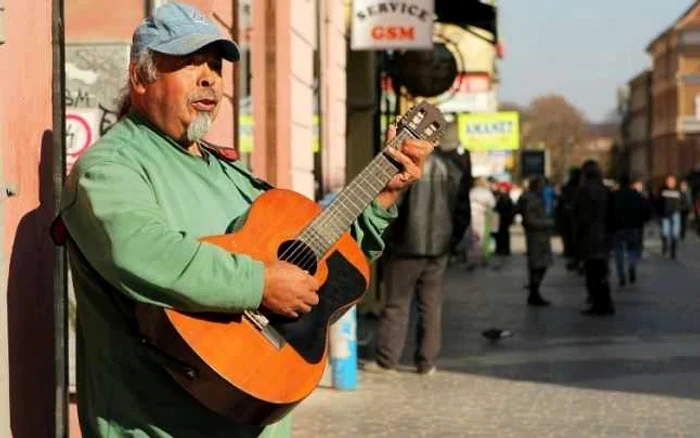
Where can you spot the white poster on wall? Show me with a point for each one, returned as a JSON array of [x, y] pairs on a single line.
[[379, 25]]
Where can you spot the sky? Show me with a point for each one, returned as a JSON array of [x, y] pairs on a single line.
[[582, 49]]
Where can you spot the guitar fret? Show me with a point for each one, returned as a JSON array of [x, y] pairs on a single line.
[[380, 182], [336, 228], [321, 238], [359, 185], [349, 198]]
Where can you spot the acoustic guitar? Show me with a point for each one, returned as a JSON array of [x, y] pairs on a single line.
[[254, 367]]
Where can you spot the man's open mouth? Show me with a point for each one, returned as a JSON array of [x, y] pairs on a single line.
[[204, 104]]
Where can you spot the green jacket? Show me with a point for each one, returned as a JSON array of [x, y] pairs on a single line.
[[135, 205]]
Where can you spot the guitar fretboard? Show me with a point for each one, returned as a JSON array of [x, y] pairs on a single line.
[[338, 217]]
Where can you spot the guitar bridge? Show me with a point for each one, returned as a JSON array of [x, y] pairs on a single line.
[[263, 325]]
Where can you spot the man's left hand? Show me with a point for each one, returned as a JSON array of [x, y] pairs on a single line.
[[411, 156]]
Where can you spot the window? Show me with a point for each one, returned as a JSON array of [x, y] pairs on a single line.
[[691, 37]]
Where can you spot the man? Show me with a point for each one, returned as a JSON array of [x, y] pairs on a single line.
[[591, 210], [506, 212], [565, 219], [433, 216], [670, 206], [687, 205], [483, 203], [630, 211], [134, 207], [538, 235]]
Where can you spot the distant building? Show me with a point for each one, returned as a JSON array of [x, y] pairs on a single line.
[[637, 123], [675, 97]]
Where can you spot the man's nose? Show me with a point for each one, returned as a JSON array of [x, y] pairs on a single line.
[[207, 76]]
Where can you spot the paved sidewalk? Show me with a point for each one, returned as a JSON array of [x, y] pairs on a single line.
[[636, 374]]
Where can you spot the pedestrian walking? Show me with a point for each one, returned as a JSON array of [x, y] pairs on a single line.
[[538, 233], [686, 207], [483, 203], [565, 218], [630, 211], [670, 206], [591, 211], [506, 212]]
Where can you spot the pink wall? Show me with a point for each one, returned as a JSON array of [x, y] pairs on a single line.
[[94, 21], [25, 148], [302, 41], [334, 93], [222, 130], [282, 92]]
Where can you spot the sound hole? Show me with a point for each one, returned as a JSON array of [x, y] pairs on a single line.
[[298, 253]]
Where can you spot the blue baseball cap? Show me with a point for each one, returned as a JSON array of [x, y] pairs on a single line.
[[179, 29]]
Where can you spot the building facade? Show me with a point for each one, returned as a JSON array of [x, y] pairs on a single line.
[[637, 126], [675, 97]]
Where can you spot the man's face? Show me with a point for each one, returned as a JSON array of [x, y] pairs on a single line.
[[185, 98], [671, 182]]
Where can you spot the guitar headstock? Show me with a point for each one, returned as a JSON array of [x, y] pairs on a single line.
[[425, 121]]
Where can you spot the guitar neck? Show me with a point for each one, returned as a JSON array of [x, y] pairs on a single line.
[[339, 216]]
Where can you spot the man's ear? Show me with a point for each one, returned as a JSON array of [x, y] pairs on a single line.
[[138, 85]]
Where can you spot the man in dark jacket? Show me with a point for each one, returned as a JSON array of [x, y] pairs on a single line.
[[565, 219], [591, 212], [670, 205], [630, 211], [506, 212], [434, 214]]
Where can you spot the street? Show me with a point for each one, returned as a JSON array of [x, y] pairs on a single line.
[[562, 374]]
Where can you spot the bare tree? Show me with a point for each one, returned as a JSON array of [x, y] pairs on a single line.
[[552, 122]]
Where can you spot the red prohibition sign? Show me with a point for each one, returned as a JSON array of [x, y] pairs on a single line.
[[88, 134]]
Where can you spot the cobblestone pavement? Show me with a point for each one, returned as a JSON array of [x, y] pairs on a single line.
[[636, 374]]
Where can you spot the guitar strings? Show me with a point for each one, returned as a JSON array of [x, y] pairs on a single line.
[[307, 259], [300, 246]]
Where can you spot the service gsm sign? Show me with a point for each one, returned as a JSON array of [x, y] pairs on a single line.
[[379, 25], [489, 131]]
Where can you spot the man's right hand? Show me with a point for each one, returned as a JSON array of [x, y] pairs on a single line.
[[289, 290]]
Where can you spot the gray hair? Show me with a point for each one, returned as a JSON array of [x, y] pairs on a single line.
[[145, 66]]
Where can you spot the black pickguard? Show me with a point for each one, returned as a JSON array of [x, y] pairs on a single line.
[[307, 334]]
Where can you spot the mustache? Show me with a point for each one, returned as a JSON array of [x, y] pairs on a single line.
[[207, 94]]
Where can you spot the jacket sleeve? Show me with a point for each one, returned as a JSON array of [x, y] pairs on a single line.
[[370, 226], [581, 212], [112, 216], [535, 218]]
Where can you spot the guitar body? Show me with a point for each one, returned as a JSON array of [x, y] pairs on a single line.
[[230, 364]]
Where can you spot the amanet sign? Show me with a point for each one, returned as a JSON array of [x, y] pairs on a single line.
[[489, 131]]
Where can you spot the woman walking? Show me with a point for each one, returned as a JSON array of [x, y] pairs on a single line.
[[538, 228]]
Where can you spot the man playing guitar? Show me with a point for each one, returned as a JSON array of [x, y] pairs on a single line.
[[134, 206]]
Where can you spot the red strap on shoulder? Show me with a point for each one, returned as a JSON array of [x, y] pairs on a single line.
[[226, 154], [58, 231]]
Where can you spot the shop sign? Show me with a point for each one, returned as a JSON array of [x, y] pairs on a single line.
[[379, 25]]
